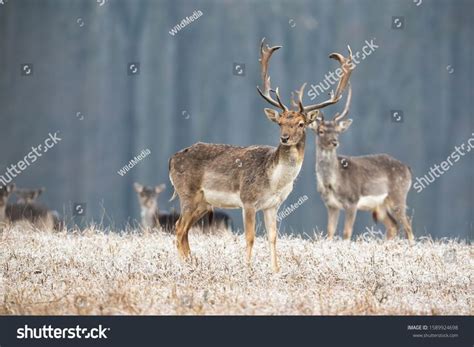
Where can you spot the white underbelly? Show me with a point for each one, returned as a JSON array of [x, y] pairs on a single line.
[[369, 202], [275, 199], [223, 199]]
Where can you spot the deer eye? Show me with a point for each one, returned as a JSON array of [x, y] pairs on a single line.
[[321, 132], [301, 124]]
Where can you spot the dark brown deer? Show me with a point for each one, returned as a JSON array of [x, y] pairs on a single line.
[[251, 178], [152, 217], [376, 183]]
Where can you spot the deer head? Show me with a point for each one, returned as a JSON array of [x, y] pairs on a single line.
[[28, 196], [147, 196], [328, 131], [293, 122]]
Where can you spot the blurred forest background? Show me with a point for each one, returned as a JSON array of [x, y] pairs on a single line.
[[187, 90]]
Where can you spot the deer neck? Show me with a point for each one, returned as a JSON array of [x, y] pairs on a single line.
[[291, 155], [327, 166], [149, 214]]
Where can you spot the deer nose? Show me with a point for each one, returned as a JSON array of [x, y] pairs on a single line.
[[284, 138], [334, 143]]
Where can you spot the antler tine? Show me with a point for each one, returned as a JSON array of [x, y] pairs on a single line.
[[265, 55], [346, 67], [338, 117], [343, 81], [299, 93], [280, 104]]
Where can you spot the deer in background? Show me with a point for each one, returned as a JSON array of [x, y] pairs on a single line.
[[36, 214], [255, 178], [27, 196], [377, 183], [5, 192], [153, 218]]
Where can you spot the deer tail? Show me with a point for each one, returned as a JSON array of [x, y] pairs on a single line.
[[174, 195]]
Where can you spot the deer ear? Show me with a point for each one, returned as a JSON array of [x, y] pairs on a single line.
[[312, 116], [160, 188], [272, 114], [138, 187], [343, 125], [315, 118]]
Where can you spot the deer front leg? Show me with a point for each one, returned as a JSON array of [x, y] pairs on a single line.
[[270, 216], [333, 217], [350, 215], [249, 226]]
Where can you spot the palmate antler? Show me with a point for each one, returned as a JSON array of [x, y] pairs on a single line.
[[346, 64], [265, 55], [340, 116]]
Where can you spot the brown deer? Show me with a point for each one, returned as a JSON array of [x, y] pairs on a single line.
[[377, 183], [252, 178], [152, 217]]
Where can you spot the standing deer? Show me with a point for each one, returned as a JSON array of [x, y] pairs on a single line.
[[377, 183], [252, 178], [32, 212]]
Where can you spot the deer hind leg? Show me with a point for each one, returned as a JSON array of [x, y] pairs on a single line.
[[249, 226], [381, 214], [333, 217], [270, 216], [189, 216], [400, 215], [398, 211], [350, 215]]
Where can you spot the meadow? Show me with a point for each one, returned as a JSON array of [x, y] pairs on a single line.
[[92, 272]]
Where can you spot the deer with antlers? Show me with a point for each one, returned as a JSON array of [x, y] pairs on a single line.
[[377, 183], [255, 178]]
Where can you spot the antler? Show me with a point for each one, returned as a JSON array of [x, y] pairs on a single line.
[[338, 117], [343, 81], [265, 55]]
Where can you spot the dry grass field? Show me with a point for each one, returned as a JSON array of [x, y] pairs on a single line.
[[94, 273]]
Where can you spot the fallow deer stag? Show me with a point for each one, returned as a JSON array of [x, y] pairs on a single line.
[[252, 178], [377, 183]]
